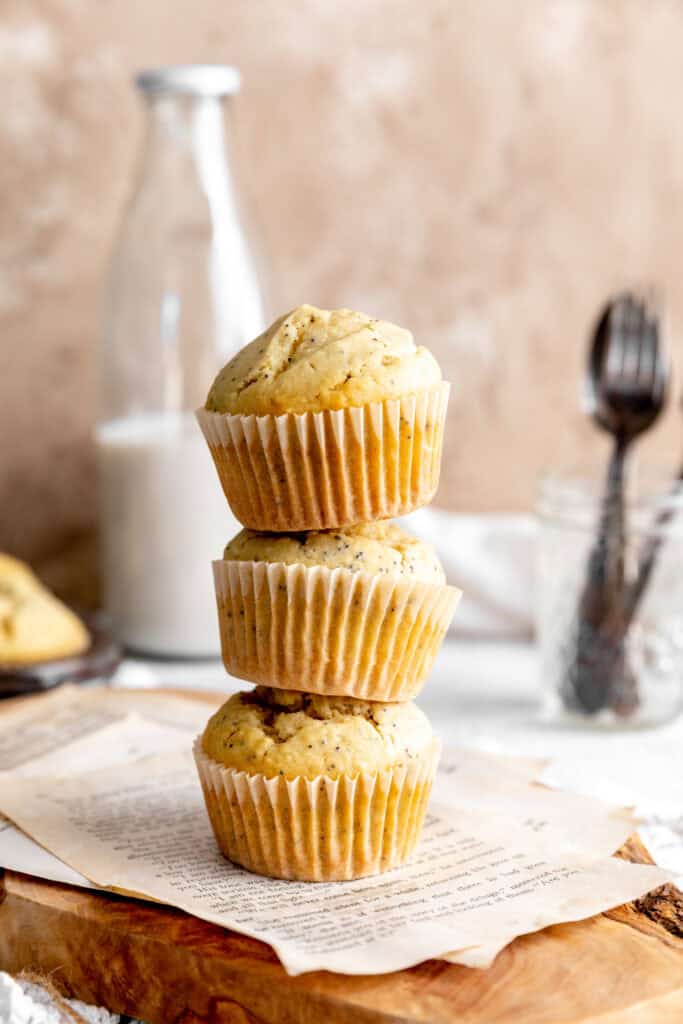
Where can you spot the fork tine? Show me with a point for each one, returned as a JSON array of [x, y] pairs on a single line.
[[647, 364], [643, 349], [615, 343], [622, 360], [632, 344], [645, 342], [662, 368]]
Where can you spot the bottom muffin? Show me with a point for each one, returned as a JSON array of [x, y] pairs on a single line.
[[316, 788]]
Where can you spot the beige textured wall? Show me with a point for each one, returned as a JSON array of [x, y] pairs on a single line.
[[483, 171]]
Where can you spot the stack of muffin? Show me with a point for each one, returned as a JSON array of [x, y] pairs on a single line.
[[322, 429]]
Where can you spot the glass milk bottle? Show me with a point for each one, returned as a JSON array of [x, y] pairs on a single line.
[[183, 297]]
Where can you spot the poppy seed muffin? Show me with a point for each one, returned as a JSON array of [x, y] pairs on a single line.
[[377, 548], [328, 419], [316, 789], [312, 359], [34, 624], [283, 732], [356, 612]]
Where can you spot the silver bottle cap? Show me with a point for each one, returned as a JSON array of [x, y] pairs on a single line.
[[190, 80]]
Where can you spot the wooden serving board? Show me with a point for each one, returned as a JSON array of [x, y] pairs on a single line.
[[166, 967]]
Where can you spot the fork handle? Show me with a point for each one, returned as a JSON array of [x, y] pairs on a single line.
[[599, 649], [606, 563]]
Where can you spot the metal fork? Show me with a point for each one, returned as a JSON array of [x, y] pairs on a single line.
[[627, 385]]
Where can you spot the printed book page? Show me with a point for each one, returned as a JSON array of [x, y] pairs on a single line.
[[652, 786], [477, 879], [69, 730]]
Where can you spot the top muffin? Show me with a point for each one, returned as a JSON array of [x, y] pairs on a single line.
[[379, 548], [313, 359]]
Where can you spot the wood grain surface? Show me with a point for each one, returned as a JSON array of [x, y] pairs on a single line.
[[166, 966]]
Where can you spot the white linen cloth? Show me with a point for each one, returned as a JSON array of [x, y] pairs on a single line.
[[24, 1002], [491, 559]]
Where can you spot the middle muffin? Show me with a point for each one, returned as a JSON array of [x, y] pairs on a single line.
[[358, 612]]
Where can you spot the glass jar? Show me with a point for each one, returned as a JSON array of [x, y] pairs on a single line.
[[623, 668], [183, 297]]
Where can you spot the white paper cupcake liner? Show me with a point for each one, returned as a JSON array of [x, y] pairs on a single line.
[[318, 830], [330, 631], [322, 470]]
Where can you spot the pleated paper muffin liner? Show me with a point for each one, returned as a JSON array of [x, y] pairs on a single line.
[[322, 470], [318, 830], [330, 631]]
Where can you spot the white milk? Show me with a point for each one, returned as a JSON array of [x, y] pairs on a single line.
[[164, 518]]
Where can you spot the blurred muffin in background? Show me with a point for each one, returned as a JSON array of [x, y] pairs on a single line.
[[34, 625]]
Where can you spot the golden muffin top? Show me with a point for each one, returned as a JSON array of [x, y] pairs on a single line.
[[282, 732], [313, 359], [34, 625], [380, 548]]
